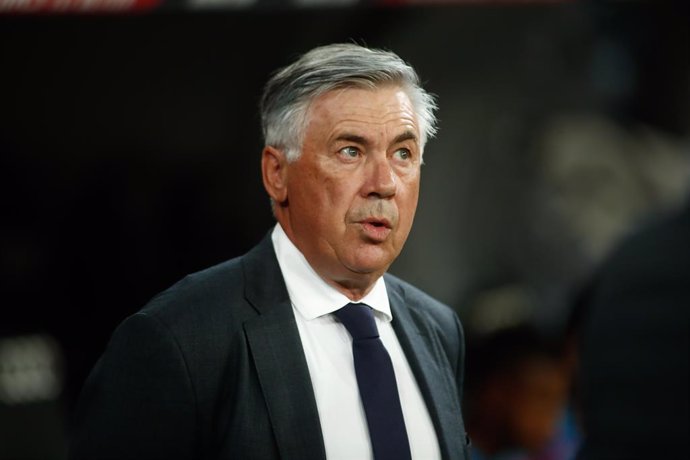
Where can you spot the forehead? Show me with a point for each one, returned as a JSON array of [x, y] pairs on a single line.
[[387, 106]]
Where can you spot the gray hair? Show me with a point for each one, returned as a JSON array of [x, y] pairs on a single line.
[[289, 92]]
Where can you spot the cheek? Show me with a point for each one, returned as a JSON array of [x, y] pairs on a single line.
[[339, 196], [333, 193], [317, 192]]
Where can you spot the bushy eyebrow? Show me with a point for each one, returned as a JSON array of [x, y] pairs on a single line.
[[352, 138], [402, 137], [405, 136]]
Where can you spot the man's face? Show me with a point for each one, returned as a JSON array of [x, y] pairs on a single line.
[[352, 194]]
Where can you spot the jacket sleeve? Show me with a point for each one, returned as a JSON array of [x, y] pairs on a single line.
[[138, 402]]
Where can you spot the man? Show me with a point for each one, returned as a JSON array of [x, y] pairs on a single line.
[[263, 356]]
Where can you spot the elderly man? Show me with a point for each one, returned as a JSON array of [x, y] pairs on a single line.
[[304, 348]]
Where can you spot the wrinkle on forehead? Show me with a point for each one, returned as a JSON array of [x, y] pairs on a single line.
[[402, 104], [353, 106]]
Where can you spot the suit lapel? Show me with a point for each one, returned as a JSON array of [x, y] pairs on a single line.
[[277, 351], [433, 382]]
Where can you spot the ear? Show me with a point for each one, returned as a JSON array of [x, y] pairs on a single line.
[[274, 169]]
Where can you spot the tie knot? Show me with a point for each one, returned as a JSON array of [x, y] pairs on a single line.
[[358, 319]]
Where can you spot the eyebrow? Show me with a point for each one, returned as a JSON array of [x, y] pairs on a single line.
[[402, 137], [352, 138], [405, 136]]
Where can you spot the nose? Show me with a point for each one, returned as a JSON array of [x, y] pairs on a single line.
[[381, 181]]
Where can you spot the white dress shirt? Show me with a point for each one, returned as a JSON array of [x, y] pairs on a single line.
[[328, 349]]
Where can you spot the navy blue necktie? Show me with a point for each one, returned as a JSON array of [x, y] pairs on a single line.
[[377, 386]]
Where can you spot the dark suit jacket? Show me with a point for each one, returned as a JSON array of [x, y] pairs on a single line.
[[634, 350], [214, 368]]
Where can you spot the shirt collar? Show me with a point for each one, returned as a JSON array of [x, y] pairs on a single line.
[[309, 293]]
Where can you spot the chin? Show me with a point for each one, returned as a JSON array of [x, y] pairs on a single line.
[[367, 259], [370, 267]]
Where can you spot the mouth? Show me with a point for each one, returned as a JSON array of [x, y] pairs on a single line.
[[376, 230], [377, 223]]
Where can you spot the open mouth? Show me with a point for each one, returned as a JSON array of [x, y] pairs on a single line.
[[377, 223], [376, 230]]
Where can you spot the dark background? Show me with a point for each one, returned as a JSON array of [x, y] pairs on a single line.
[[129, 150]]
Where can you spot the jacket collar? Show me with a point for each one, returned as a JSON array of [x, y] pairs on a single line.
[[284, 376], [438, 391], [277, 351]]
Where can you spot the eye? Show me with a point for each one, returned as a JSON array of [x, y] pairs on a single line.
[[403, 154], [349, 152]]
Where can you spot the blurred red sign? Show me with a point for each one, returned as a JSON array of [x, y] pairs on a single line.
[[76, 6]]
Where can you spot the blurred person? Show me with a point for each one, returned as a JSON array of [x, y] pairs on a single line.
[[516, 396], [303, 348], [633, 354]]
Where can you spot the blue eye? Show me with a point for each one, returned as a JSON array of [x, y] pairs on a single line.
[[350, 152], [403, 154]]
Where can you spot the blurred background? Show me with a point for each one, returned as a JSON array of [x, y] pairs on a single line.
[[130, 148]]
